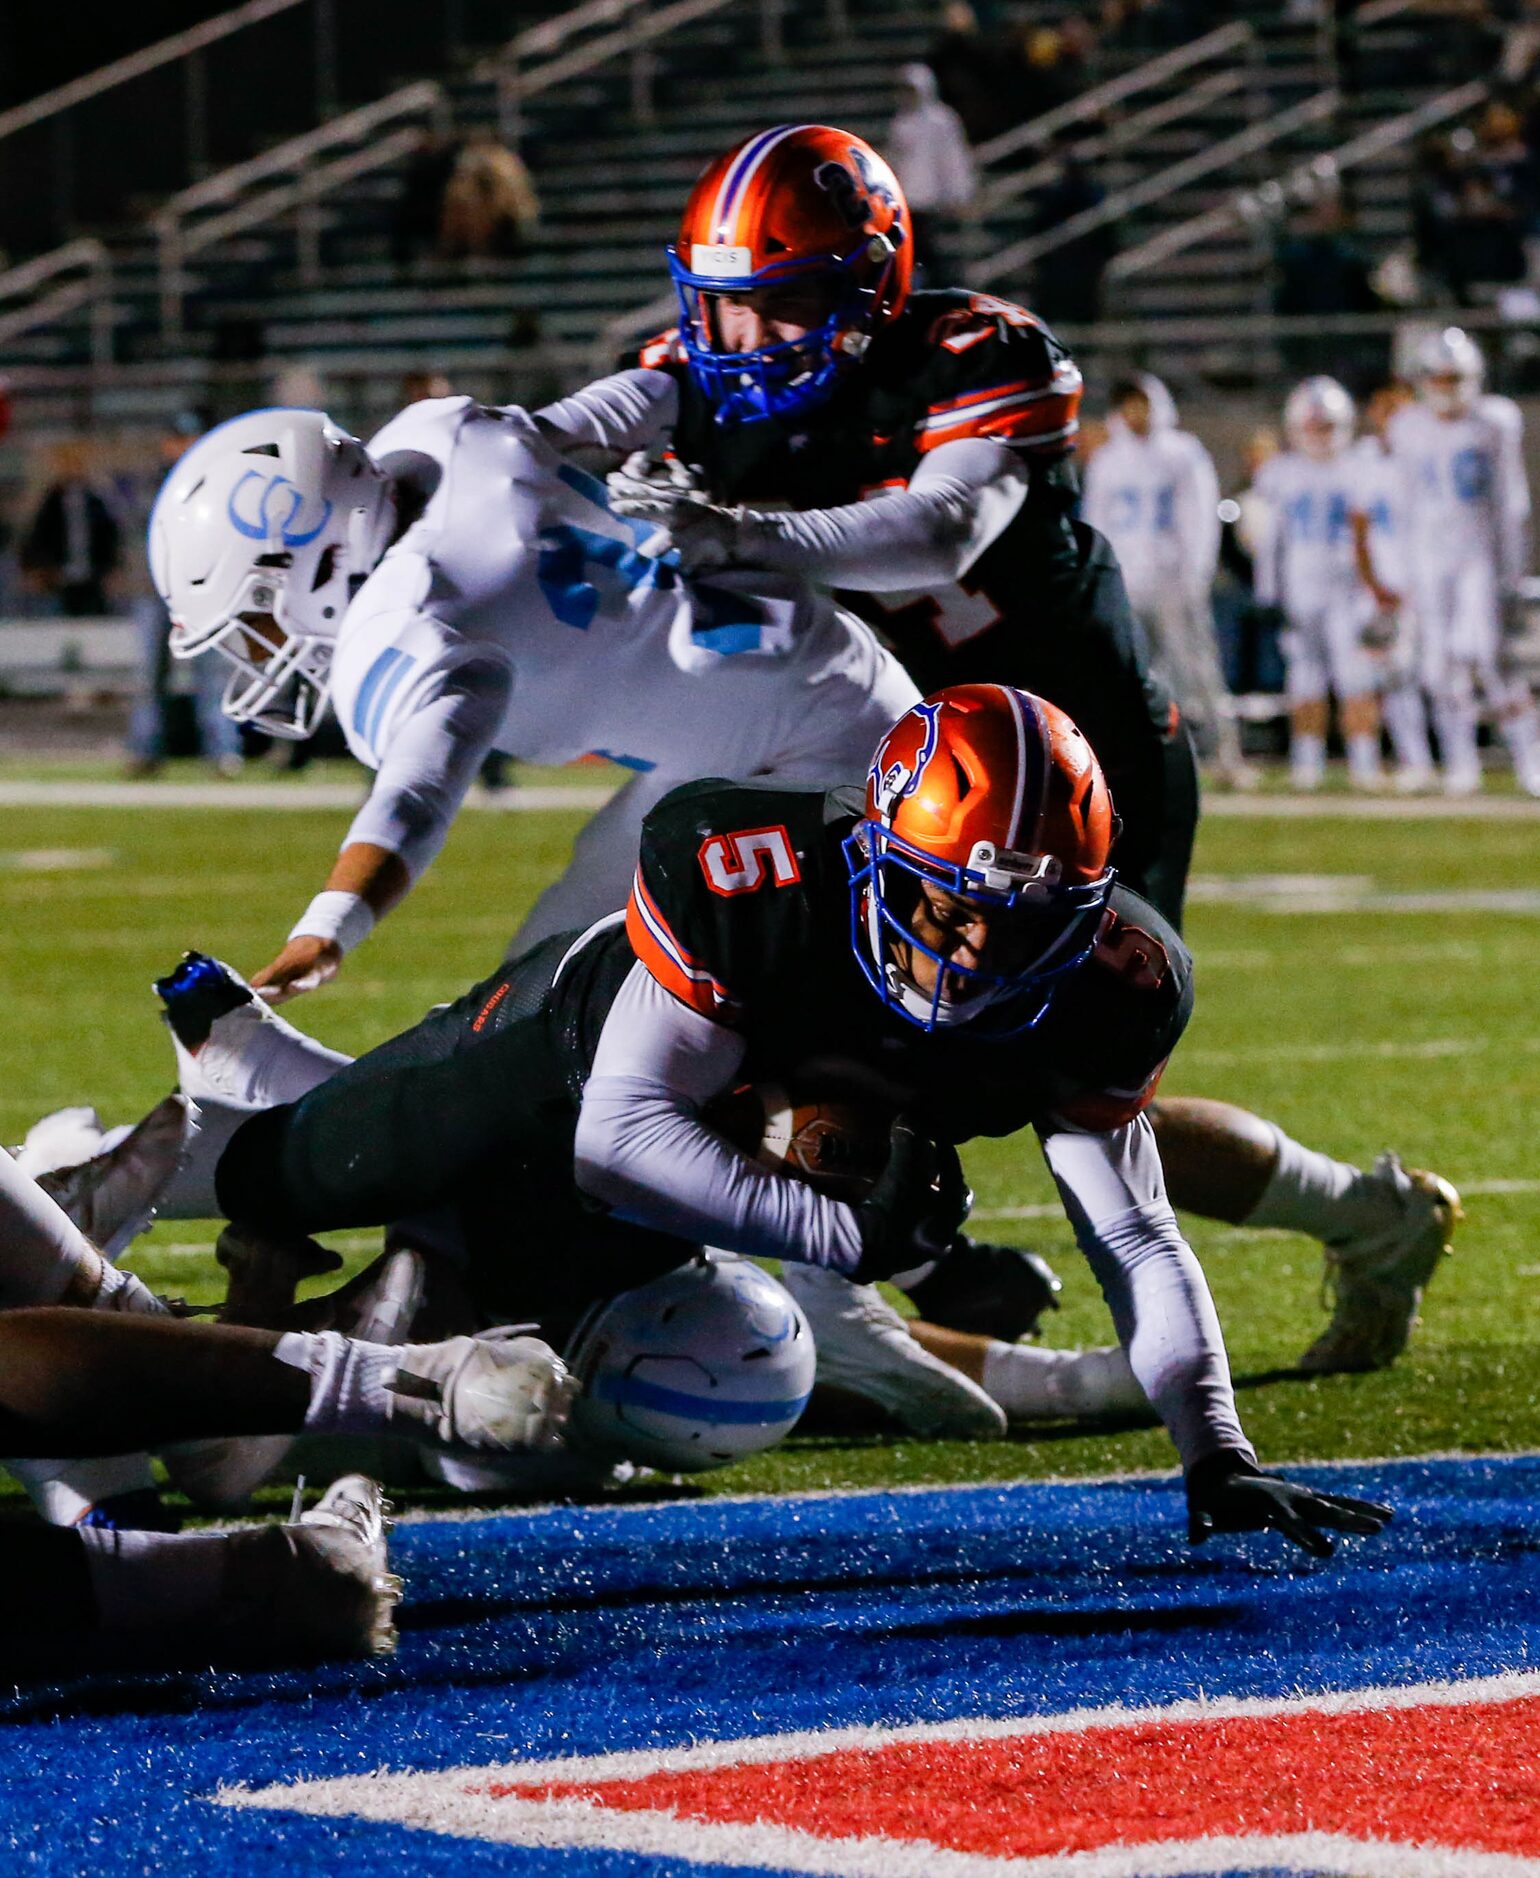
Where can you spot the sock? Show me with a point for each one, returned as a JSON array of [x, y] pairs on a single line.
[[1521, 733], [1456, 720], [1363, 758], [1407, 723], [190, 1194], [142, 1580], [64, 1492], [252, 1055], [1308, 1191], [348, 1393], [1033, 1384], [1307, 759]]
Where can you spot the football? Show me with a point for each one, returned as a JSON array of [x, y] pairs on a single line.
[[837, 1143]]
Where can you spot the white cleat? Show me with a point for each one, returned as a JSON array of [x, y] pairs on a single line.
[[112, 1197], [319, 1587], [864, 1349], [1414, 782], [1462, 782], [495, 1393], [1375, 1279]]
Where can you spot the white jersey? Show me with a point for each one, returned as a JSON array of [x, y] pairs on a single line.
[[517, 613], [1466, 485], [1380, 495], [1304, 560], [1156, 499]]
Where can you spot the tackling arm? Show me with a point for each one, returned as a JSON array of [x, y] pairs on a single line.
[[608, 420], [426, 766]]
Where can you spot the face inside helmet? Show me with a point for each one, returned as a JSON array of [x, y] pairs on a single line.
[[988, 942], [772, 344]]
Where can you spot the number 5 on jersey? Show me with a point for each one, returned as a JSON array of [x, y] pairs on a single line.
[[743, 862]]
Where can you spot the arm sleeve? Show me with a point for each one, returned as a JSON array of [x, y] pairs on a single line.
[[1115, 1194], [430, 757], [643, 1150], [960, 499], [1198, 520], [1266, 545], [607, 420], [1512, 502]]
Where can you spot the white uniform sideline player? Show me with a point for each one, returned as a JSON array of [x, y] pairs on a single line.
[[457, 588], [1306, 564], [1151, 489], [1463, 455]]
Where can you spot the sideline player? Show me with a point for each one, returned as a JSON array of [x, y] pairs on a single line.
[[457, 588], [921, 441], [1381, 521], [116, 1374], [1307, 564], [1462, 451], [954, 937], [1152, 491]]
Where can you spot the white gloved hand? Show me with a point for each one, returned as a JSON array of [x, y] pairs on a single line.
[[703, 534]]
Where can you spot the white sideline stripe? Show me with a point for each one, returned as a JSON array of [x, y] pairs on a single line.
[[1371, 808], [453, 1801], [1049, 1209], [1428, 1048], [238, 795]]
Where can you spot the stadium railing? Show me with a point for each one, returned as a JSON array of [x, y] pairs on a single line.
[[58, 283]]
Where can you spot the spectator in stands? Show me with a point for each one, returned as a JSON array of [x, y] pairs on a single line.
[[928, 148], [970, 75], [160, 677], [1321, 271], [1068, 285], [1435, 208], [490, 203], [415, 386], [420, 206], [1047, 73], [74, 542]]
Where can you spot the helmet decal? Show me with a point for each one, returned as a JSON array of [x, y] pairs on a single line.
[[854, 190], [901, 777], [264, 528]]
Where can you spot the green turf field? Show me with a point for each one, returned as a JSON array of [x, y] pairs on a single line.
[[1410, 1017]]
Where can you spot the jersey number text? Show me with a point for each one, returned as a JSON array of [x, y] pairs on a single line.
[[742, 863]]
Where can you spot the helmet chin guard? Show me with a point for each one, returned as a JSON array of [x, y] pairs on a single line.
[[993, 796], [258, 540]]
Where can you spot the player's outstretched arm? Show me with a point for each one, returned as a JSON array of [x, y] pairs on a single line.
[[365, 883], [1228, 1492]]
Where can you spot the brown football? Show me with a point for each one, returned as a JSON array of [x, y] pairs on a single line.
[[838, 1144]]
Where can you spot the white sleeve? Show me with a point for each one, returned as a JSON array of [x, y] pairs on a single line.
[[429, 754], [1512, 500], [642, 1150], [1267, 543], [959, 500], [1115, 1194], [40, 1250], [1093, 501], [607, 420], [1197, 520]]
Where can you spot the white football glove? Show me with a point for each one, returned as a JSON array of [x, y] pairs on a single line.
[[702, 533]]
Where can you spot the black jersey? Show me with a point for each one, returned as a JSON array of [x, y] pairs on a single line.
[[1044, 607], [742, 910]]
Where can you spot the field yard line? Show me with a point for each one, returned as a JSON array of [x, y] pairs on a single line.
[[1371, 808], [274, 795], [1429, 1048]]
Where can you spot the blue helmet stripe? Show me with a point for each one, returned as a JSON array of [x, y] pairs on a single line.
[[634, 1392]]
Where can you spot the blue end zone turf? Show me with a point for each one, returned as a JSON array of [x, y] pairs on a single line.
[[588, 1630]]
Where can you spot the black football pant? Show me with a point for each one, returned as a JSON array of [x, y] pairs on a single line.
[[1153, 854], [471, 1109]]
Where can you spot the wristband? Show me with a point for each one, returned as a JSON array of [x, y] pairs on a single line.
[[345, 918]]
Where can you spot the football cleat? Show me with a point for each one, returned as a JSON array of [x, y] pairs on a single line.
[[320, 1586], [864, 1349], [1375, 1279], [112, 1197], [230, 1044], [494, 1392], [63, 1139], [993, 1290]]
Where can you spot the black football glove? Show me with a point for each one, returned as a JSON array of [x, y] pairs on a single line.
[[915, 1206], [992, 1290], [1226, 1493]]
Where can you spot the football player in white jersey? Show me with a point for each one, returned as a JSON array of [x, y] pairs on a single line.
[[1463, 455], [1382, 530], [1306, 565], [457, 588], [1152, 491]]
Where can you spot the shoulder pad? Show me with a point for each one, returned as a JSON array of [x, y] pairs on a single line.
[[1003, 375], [656, 354]]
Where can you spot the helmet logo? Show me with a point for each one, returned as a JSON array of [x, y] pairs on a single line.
[[263, 526], [900, 777], [854, 190]]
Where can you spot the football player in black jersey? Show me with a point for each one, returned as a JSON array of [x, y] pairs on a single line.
[[955, 940], [912, 450]]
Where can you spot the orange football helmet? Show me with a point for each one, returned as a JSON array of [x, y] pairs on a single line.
[[994, 797], [797, 202]]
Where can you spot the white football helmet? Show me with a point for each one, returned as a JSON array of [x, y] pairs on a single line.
[[710, 1362], [1319, 417], [259, 538], [1448, 370]]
